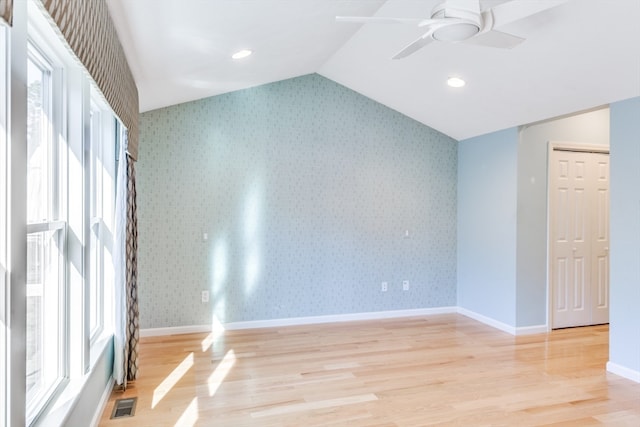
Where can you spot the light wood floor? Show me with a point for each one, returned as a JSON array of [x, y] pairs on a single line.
[[437, 370]]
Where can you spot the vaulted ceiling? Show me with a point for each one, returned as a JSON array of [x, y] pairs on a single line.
[[579, 55]]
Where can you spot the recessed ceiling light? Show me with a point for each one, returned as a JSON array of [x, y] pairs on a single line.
[[455, 82], [242, 54]]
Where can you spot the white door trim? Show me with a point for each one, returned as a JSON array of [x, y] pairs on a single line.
[[560, 146]]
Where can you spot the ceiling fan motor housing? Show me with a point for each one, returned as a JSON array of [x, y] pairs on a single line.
[[464, 23]]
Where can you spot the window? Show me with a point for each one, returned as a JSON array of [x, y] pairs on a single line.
[[46, 238], [101, 207], [70, 174]]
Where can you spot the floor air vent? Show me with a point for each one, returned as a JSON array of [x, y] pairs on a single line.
[[124, 408]]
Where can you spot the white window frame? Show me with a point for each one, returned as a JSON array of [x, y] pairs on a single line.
[[4, 177], [82, 346], [96, 223], [53, 223], [101, 168]]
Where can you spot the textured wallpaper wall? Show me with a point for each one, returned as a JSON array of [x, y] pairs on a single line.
[[306, 191]]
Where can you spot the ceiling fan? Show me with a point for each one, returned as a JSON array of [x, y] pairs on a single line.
[[464, 21]]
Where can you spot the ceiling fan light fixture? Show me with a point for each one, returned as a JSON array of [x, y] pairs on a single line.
[[242, 54], [455, 82], [456, 32]]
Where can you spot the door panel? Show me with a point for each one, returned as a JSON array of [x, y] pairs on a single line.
[[562, 285], [578, 214], [579, 288], [602, 283], [562, 215], [600, 244]]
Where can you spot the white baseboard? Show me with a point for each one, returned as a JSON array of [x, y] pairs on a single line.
[[531, 330], [374, 315], [311, 320], [174, 330], [296, 321], [487, 320], [623, 371], [513, 330], [102, 404]]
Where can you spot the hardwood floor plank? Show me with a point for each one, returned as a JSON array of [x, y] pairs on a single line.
[[622, 418], [445, 370], [311, 405]]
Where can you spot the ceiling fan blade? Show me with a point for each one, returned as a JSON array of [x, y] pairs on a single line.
[[496, 39], [377, 20], [414, 46], [515, 10]]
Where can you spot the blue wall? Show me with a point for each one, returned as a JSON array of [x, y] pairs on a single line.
[[502, 216], [487, 202], [306, 190], [624, 332], [591, 127]]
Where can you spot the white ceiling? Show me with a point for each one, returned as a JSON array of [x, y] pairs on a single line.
[[579, 55]]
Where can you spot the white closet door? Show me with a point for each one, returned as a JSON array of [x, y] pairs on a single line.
[[579, 208]]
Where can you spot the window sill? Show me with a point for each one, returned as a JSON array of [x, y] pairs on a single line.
[[98, 348], [61, 406]]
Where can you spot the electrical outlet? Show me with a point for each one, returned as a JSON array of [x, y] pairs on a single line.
[[405, 285], [205, 296], [385, 287]]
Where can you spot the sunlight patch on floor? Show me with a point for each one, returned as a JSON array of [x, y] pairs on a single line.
[[220, 373], [190, 415], [171, 380]]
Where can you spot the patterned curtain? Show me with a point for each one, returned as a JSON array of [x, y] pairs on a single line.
[[88, 29], [126, 334], [6, 11], [133, 326]]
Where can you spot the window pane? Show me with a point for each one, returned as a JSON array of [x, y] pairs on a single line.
[[45, 242], [95, 302], [38, 149], [43, 297], [101, 206], [95, 209]]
